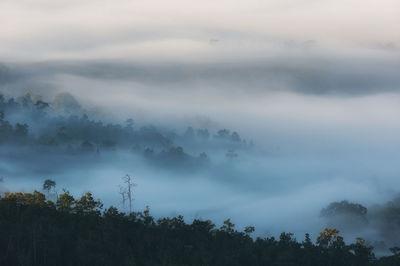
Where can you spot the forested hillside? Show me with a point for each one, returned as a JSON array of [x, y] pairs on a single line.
[[69, 231], [62, 126]]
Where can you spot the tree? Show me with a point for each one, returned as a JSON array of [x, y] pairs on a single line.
[[328, 237], [203, 226], [41, 105], [48, 185], [87, 205], [344, 207], [65, 202], [223, 134], [126, 191], [395, 251], [249, 230], [235, 137], [122, 192], [363, 253], [228, 227], [307, 243], [129, 123], [39, 199], [203, 156], [6, 129], [203, 134], [147, 218]]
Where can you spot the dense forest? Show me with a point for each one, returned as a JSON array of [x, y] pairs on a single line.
[[64, 121], [62, 126], [69, 231]]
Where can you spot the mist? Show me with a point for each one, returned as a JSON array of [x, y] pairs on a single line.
[[293, 169], [313, 91]]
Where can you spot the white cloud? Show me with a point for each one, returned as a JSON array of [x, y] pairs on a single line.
[[56, 29]]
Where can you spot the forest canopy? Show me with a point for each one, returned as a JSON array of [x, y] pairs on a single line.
[[78, 231]]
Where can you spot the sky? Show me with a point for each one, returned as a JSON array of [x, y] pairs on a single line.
[[315, 84], [183, 30]]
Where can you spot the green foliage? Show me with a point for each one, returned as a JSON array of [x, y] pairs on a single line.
[[27, 199], [228, 227], [329, 237], [65, 202], [75, 232], [87, 205]]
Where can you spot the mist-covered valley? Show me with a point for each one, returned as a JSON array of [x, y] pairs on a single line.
[[208, 172], [282, 115]]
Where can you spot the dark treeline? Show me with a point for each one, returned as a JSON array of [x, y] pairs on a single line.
[[383, 220], [63, 126], [69, 231]]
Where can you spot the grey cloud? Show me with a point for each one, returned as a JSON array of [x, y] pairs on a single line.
[[343, 77]]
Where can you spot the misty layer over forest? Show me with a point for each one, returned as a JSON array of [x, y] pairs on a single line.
[[277, 116], [197, 172], [62, 127]]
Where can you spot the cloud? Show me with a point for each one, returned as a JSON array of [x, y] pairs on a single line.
[[311, 47], [37, 30], [316, 74]]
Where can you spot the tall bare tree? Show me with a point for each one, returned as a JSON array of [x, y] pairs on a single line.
[[126, 191], [122, 191]]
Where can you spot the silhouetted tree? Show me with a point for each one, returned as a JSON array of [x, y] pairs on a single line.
[[48, 185]]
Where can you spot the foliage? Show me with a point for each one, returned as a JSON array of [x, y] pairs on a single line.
[[344, 207], [62, 126], [35, 231], [49, 184]]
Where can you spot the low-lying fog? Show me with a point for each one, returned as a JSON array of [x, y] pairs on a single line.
[[315, 87], [309, 150]]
